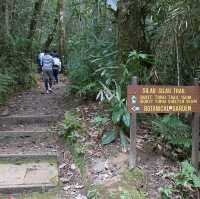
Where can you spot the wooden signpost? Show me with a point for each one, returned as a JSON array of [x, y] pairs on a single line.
[[164, 99]]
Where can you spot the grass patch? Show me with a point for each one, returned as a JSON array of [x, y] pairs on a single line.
[[130, 186], [51, 161], [133, 176], [77, 153]]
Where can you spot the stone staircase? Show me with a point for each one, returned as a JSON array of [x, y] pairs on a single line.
[[28, 154]]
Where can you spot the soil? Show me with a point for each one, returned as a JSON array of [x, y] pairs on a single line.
[[104, 164]]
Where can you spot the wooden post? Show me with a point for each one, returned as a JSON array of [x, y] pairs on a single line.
[[133, 132], [195, 136]]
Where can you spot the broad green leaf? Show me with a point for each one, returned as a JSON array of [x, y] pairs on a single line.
[[196, 181], [123, 141], [108, 137], [116, 115], [126, 119], [143, 56]]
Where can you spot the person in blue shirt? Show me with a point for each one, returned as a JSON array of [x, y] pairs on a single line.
[[39, 61], [47, 69]]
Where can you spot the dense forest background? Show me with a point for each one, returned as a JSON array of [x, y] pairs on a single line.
[[155, 40], [102, 44]]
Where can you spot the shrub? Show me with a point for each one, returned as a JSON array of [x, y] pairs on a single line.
[[172, 131], [70, 127], [185, 182]]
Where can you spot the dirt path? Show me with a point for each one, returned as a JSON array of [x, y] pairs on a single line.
[[27, 129], [29, 115], [107, 166]]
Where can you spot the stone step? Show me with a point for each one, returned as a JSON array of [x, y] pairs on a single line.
[[28, 176], [50, 194], [24, 134], [28, 119], [28, 157], [18, 188]]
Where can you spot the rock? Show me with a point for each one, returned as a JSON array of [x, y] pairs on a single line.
[[79, 186], [62, 166], [73, 167], [66, 188], [66, 179], [111, 182], [5, 113], [81, 197], [107, 164], [99, 166], [121, 161]]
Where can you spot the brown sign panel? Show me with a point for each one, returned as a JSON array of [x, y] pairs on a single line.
[[163, 99]]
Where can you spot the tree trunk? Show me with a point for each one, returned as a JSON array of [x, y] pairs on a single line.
[[96, 17], [131, 28], [7, 28], [54, 31], [34, 20], [61, 29]]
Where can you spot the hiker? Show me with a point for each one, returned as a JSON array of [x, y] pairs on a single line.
[[47, 69], [56, 67], [39, 61]]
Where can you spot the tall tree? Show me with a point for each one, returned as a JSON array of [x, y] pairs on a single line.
[[7, 28], [131, 16], [34, 20], [54, 30], [61, 29]]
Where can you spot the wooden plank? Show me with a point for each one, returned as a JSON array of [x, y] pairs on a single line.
[[163, 99], [195, 136], [133, 132]]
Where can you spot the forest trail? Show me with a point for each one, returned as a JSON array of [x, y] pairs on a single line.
[[33, 159], [29, 149]]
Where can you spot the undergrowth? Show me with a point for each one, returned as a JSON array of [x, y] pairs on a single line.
[[128, 187], [71, 131], [17, 70], [185, 183], [173, 131]]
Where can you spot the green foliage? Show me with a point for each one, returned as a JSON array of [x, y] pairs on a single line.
[[70, 127], [77, 152], [5, 86], [91, 46], [185, 181], [173, 32], [71, 130], [166, 192], [17, 71], [93, 193], [123, 141], [108, 137], [85, 74], [98, 120], [173, 131]]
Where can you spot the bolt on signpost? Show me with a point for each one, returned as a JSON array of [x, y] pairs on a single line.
[[164, 99]]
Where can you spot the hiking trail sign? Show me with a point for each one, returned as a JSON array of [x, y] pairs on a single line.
[[163, 99]]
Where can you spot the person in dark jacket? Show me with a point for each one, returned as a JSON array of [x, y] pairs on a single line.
[[56, 67], [47, 69]]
